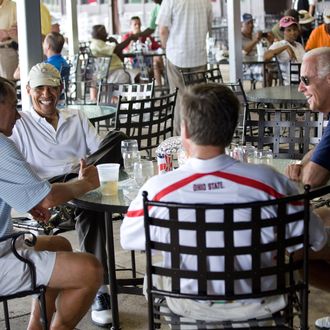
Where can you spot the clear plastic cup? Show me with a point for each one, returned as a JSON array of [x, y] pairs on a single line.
[[108, 175]]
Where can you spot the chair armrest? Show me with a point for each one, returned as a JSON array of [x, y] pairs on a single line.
[[31, 241]]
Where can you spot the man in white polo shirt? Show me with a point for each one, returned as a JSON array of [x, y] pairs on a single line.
[[72, 279], [209, 118], [183, 25], [53, 141]]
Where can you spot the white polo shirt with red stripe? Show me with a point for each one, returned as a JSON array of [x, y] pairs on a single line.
[[217, 180]]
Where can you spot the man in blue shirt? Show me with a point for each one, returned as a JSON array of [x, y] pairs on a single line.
[[315, 166], [52, 47], [315, 85]]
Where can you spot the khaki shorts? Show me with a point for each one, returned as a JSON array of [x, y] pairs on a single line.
[[15, 275]]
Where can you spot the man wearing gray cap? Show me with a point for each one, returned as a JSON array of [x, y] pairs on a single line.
[[53, 142], [72, 279]]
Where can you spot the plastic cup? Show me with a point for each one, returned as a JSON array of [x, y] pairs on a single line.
[[108, 175], [263, 156]]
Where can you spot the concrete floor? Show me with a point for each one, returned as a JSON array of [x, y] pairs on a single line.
[[133, 309]]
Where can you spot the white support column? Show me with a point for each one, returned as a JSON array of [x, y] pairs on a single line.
[[110, 24], [29, 39], [71, 15], [234, 39]]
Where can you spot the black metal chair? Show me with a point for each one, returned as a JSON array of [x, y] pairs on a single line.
[[206, 76], [223, 223], [294, 73], [290, 133], [149, 121], [108, 94], [237, 88], [30, 240], [220, 34]]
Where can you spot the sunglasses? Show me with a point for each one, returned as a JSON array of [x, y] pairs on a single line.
[[305, 80]]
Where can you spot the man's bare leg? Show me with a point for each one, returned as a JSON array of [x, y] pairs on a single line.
[[75, 280], [77, 276]]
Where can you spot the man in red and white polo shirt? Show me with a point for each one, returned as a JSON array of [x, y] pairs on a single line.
[[209, 118]]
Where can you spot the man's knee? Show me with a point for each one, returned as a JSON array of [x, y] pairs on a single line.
[[74, 270]]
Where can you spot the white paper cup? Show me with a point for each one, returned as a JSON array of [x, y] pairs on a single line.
[[108, 175]]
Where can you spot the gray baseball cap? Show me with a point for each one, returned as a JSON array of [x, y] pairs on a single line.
[[44, 74]]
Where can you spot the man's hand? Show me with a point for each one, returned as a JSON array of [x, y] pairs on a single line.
[[89, 175], [40, 213], [112, 40], [4, 35], [12, 32], [294, 171], [258, 36]]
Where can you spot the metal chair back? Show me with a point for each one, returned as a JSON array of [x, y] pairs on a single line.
[[149, 120], [294, 73], [198, 77], [289, 133], [225, 234]]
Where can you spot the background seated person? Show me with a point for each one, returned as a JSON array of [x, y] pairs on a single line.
[[205, 138], [320, 36], [306, 25], [155, 63], [276, 30], [287, 50], [52, 47], [72, 279], [252, 72], [101, 46]]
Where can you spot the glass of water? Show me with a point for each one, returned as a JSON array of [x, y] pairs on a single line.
[[131, 155], [263, 156], [143, 170]]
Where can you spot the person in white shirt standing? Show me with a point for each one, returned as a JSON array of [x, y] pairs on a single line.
[[183, 25]]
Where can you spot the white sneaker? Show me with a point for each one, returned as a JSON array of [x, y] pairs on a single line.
[[101, 310], [323, 323]]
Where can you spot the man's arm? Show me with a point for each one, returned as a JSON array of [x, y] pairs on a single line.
[[147, 32], [314, 174], [163, 34], [250, 45], [62, 192], [120, 47], [308, 172]]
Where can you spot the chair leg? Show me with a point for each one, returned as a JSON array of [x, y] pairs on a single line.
[[133, 264], [43, 311], [6, 314]]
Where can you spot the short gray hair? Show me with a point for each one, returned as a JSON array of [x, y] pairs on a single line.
[[322, 60]]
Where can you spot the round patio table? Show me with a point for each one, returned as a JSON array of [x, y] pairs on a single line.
[[277, 94]]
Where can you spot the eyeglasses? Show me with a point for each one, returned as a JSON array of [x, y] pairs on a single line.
[[305, 80]]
